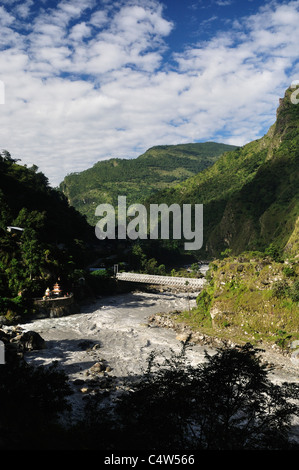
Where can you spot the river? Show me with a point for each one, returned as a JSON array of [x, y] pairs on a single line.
[[118, 326]]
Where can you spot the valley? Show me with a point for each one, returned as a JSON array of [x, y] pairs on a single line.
[[250, 295]]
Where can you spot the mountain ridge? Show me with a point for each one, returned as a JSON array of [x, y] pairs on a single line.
[[159, 167], [250, 195]]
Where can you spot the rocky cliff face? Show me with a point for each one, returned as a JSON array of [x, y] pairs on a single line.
[[253, 293], [266, 209], [251, 194]]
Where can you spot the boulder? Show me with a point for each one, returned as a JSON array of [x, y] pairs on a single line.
[[97, 367], [183, 336], [31, 340]]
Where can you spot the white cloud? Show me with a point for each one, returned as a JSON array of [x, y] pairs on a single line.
[[223, 3], [5, 18], [24, 9], [80, 31], [85, 82], [99, 18]]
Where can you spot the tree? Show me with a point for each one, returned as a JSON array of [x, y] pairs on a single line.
[[225, 403], [150, 266], [6, 156], [34, 220], [33, 254], [195, 268], [138, 257], [5, 214], [238, 407], [161, 270]]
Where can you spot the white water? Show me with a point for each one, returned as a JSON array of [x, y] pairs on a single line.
[[119, 324]]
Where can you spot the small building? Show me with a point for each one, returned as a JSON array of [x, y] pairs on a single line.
[[56, 290]]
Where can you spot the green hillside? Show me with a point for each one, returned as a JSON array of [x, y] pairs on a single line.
[[251, 231], [42, 238], [24, 190], [158, 168], [251, 194]]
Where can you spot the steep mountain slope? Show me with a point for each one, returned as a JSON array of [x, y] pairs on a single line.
[[251, 224], [250, 195], [24, 190], [42, 238], [159, 167]]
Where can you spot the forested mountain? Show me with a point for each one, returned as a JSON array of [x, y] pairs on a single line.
[[23, 190], [251, 194], [251, 236], [158, 168], [47, 240]]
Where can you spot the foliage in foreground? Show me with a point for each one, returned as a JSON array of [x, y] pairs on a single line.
[[31, 399], [226, 403]]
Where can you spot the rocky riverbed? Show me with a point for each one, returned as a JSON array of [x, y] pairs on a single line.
[[111, 339], [108, 342]]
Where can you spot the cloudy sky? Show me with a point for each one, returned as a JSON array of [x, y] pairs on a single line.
[[87, 80]]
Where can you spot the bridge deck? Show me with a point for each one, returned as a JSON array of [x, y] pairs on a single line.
[[161, 280]]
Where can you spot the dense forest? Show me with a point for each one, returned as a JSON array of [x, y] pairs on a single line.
[[42, 238], [158, 168]]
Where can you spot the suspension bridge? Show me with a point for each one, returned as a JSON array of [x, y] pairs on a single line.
[[170, 281]]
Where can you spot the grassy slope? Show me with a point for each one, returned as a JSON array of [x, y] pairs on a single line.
[[248, 299]]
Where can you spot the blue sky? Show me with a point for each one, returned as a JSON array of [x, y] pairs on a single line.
[[87, 80]]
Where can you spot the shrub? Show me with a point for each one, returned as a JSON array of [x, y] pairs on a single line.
[[204, 300], [280, 289], [33, 398], [274, 253], [294, 291], [288, 271], [225, 403]]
